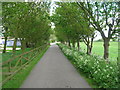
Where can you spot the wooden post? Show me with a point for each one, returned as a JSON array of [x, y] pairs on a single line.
[[9, 67], [20, 61]]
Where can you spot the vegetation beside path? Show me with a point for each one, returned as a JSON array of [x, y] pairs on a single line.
[[103, 74], [18, 79]]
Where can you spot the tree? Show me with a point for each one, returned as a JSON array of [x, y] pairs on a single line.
[[88, 40], [27, 22], [102, 17], [71, 26], [5, 24]]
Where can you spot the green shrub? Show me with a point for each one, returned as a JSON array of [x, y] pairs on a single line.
[[104, 74]]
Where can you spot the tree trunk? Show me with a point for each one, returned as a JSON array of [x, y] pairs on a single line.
[[69, 44], [23, 44], [27, 45], [78, 45], [88, 49], [106, 48], [5, 44], [15, 45], [73, 44]]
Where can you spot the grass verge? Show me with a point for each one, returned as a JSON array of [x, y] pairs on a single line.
[[18, 79]]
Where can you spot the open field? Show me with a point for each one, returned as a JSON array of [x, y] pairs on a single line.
[[99, 50]]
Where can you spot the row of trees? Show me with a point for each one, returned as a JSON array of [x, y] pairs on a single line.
[[27, 22], [76, 21]]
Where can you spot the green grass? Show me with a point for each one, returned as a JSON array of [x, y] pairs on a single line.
[[9, 55], [99, 50], [18, 79]]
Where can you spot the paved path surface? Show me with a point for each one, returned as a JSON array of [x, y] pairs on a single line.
[[54, 71]]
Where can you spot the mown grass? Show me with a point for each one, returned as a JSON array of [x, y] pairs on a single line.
[[18, 79], [99, 50], [9, 55]]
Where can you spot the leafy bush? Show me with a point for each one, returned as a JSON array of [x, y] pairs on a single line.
[[104, 74]]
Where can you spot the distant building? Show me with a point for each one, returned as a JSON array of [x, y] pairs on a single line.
[[10, 42]]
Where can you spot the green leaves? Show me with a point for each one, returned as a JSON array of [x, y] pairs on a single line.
[[28, 21], [70, 21]]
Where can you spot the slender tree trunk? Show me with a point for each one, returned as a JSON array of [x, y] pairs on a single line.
[[73, 44], [5, 44], [23, 44], [78, 45], [69, 44], [27, 45], [15, 45], [88, 50], [91, 45], [106, 48]]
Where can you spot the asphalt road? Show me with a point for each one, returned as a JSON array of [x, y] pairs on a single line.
[[54, 71]]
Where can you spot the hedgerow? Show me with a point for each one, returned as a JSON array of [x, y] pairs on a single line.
[[104, 74]]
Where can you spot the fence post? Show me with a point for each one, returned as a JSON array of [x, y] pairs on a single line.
[[9, 67], [20, 60]]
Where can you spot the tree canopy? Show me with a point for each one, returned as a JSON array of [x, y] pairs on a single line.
[[79, 20], [28, 22]]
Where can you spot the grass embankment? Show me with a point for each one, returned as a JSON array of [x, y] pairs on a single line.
[[99, 50], [95, 70], [18, 79]]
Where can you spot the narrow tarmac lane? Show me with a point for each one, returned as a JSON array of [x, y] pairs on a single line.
[[54, 71]]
